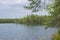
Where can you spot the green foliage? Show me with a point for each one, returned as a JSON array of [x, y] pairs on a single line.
[[29, 19], [35, 20], [54, 10], [34, 5], [7, 20], [56, 36]]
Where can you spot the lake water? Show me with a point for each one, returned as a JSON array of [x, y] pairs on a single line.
[[24, 32]]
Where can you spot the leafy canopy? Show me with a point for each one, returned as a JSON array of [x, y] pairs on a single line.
[[34, 5]]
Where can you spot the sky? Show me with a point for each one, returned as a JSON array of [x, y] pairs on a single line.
[[15, 9]]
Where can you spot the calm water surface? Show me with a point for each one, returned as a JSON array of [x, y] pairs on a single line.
[[24, 32]]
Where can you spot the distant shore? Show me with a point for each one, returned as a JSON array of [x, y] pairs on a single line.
[[29, 19]]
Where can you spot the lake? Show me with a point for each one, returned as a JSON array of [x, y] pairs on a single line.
[[23, 32]]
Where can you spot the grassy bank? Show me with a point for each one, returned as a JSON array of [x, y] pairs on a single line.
[[56, 36]]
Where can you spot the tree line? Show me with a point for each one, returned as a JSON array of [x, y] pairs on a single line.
[[29, 19]]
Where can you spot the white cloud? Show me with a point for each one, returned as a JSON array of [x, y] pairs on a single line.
[[12, 1], [5, 4], [12, 8]]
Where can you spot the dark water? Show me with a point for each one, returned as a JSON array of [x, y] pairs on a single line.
[[24, 32]]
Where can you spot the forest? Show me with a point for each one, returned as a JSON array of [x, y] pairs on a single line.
[[29, 20]]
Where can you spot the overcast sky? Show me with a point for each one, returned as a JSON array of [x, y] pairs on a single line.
[[14, 9]]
